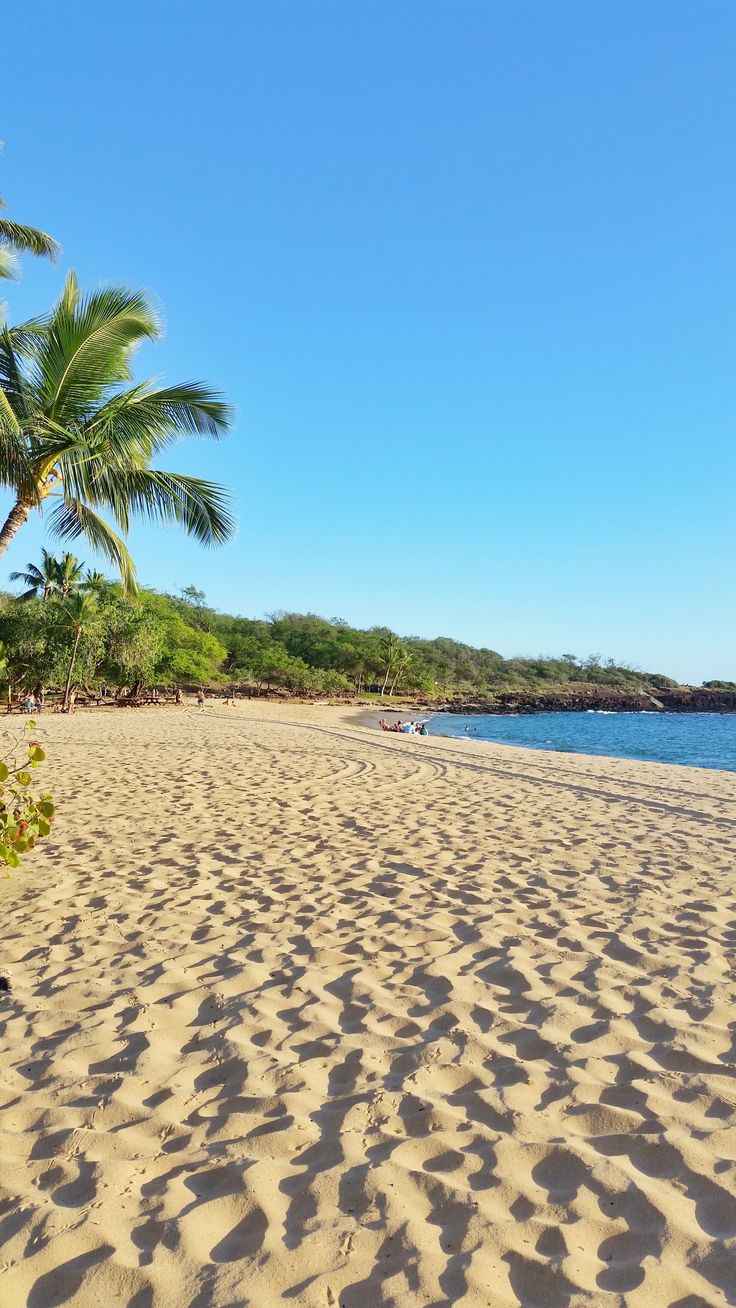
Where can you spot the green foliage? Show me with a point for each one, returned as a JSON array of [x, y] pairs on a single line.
[[191, 595], [36, 651], [25, 816], [41, 581], [133, 640], [74, 427], [189, 655], [659, 681], [121, 640], [16, 239], [280, 650], [720, 685], [153, 639]]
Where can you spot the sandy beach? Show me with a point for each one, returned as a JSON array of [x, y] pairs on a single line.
[[306, 1014]]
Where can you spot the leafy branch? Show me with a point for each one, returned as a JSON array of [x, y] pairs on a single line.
[[25, 816]]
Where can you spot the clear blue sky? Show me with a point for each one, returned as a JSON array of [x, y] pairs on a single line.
[[466, 269]]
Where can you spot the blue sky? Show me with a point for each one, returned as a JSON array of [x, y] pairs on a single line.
[[467, 272]]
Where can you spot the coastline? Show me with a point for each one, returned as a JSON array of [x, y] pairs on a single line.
[[310, 1013], [639, 736], [684, 699]]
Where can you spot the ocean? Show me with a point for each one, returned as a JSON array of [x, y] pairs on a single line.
[[702, 740]]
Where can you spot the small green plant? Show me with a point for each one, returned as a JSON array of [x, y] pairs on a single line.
[[25, 817]]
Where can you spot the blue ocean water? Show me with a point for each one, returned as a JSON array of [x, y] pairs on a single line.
[[703, 740]]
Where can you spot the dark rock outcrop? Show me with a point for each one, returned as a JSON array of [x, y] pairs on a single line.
[[684, 699]]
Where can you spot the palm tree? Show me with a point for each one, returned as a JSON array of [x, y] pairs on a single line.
[[78, 615], [403, 659], [391, 648], [55, 576], [69, 575], [16, 239], [94, 582], [71, 430], [41, 581]]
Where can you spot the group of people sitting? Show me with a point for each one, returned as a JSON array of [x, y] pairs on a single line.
[[408, 728]]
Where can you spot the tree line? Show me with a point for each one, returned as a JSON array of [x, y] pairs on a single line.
[[72, 628]]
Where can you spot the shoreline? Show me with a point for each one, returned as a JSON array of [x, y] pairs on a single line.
[[512, 704], [371, 718]]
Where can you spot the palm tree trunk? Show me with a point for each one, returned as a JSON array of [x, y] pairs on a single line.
[[17, 518], [67, 688], [385, 679]]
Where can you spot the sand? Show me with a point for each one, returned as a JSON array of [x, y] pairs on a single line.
[[304, 1014]]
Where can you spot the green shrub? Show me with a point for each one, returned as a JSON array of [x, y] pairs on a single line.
[[25, 817]]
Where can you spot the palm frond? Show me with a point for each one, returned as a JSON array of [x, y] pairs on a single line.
[[32, 577], [79, 609], [86, 347], [8, 422], [72, 519], [12, 377], [189, 409], [16, 402], [28, 240], [9, 265], [157, 418], [69, 298], [43, 580], [68, 572], [15, 465], [24, 336], [94, 581], [201, 507], [66, 423], [88, 462]]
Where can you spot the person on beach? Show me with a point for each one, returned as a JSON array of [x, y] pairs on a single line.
[[30, 704], [383, 724], [200, 698], [408, 728], [423, 729]]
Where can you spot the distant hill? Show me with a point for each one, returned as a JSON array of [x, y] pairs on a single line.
[[305, 652], [156, 639]]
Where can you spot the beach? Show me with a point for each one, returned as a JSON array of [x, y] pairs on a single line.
[[304, 1013]]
